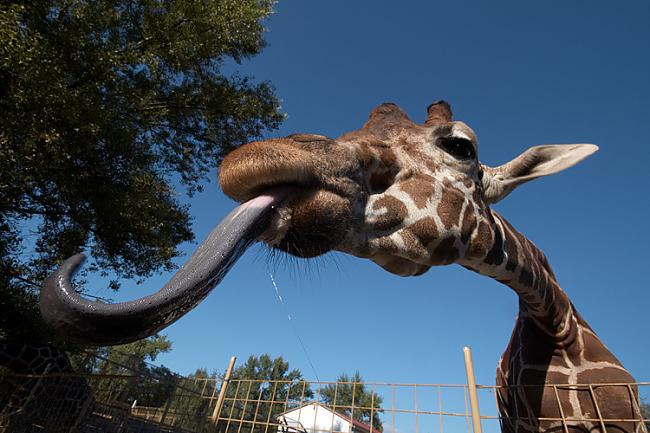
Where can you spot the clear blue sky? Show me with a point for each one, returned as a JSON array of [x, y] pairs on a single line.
[[520, 74]]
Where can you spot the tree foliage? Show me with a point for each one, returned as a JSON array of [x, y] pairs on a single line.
[[134, 356], [104, 104], [272, 380], [350, 392], [191, 400], [150, 385], [268, 381]]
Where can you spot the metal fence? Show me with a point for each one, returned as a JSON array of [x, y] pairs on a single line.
[[129, 403], [257, 406], [99, 403]]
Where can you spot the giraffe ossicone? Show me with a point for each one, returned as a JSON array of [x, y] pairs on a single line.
[[411, 196]]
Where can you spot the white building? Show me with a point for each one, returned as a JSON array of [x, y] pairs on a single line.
[[318, 418]]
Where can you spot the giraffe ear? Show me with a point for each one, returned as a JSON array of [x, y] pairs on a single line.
[[535, 162]]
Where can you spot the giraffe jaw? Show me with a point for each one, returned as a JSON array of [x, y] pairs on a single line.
[[308, 223]]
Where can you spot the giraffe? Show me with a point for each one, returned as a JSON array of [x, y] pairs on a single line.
[[414, 196], [408, 197]]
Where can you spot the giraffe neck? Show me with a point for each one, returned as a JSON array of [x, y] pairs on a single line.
[[516, 262]]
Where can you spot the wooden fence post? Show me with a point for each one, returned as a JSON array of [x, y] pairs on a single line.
[[471, 388], [222, 391]]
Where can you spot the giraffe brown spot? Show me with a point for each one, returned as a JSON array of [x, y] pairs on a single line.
[[595, 351], [420, 188], [526, 277], [544, 349], [600, 374], [468, 224], [495, 255], [511, 249], [528, 362], [425, 230], [380, 181], [560, 306], [386, 245], [529, 273], [481, 242], [394, 214], [477, 197], [445, 253], [553, 294], [380, 161], [450, 205], [614, 401], [540, 397], [412, 244]]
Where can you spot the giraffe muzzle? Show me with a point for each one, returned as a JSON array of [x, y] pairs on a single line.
[[252, 169], [100, 323]]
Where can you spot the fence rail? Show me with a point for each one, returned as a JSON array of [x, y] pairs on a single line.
[[130, 403]]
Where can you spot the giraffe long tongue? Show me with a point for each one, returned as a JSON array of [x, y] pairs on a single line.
[[100, 323]]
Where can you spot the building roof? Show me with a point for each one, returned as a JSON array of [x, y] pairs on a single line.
[[358, 424]]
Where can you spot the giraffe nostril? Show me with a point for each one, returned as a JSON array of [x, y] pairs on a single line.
[[380, 181]]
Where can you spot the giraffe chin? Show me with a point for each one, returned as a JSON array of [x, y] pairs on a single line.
[[308, 223]]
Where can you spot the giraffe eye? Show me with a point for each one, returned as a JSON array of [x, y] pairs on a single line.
[[460, 148]]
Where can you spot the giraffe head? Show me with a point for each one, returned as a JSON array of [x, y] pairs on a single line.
[[403, 195], [406, 196]]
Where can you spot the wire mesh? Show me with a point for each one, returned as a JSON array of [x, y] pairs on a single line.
[[258, 406], [96, 402]]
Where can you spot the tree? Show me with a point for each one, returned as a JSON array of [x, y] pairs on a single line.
[[105, 106], [133, 357], [349, 396], [262, 389], [151, 385], [191, 402]]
